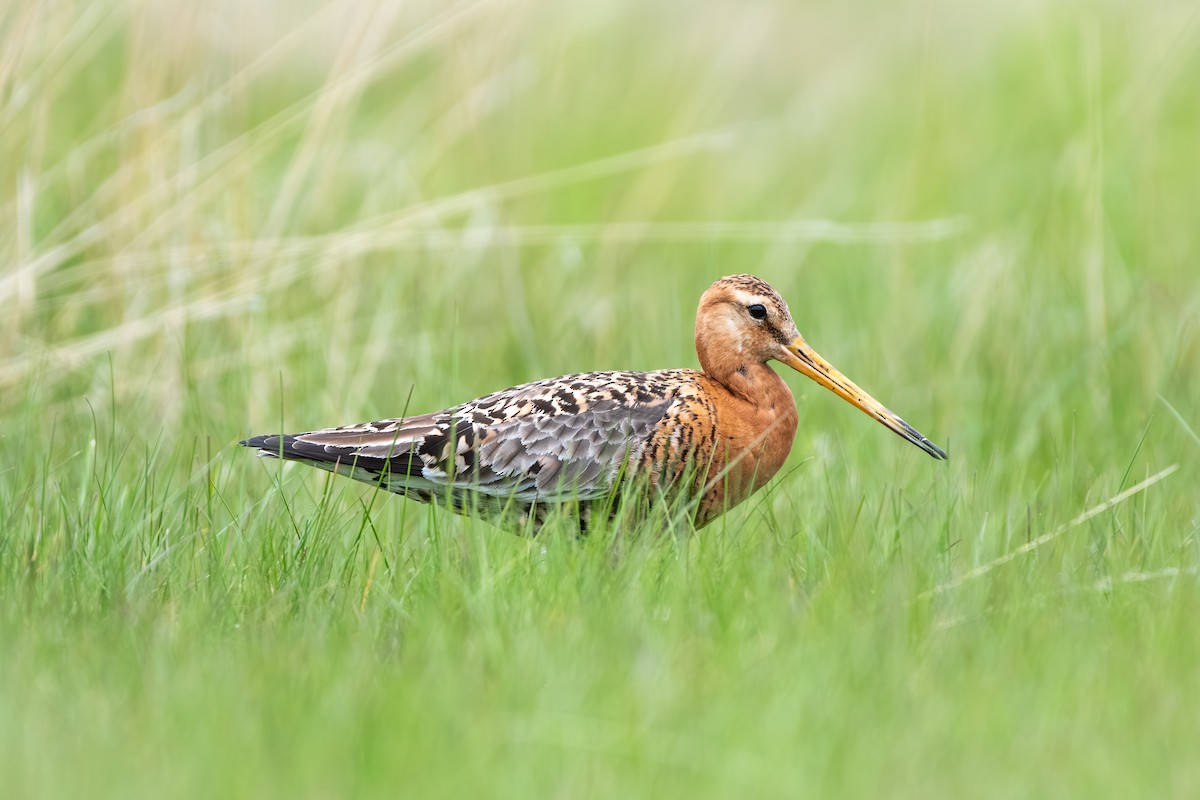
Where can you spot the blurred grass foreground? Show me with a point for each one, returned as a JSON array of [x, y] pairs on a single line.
[[227, 218]]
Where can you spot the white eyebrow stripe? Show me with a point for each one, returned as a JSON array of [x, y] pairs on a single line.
[[746, 299]]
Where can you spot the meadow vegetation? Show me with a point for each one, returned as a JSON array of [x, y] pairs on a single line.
[[219, 219]]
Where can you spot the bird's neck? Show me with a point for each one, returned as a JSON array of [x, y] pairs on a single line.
[[747, 379], [757, 384]]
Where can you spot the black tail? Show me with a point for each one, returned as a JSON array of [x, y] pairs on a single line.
[[279, 446], [292, 447]]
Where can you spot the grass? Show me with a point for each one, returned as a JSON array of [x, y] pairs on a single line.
[[226, 219]]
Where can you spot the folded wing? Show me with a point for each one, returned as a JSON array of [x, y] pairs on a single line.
[[559, 439]]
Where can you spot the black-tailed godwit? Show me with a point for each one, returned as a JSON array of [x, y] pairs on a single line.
[[713, 436]]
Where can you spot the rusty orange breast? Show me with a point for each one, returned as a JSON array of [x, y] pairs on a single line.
[[755, 426]]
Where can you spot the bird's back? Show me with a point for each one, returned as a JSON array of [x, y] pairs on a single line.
[[521, 450]]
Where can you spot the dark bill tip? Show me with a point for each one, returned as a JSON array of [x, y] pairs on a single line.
[[916, 437]]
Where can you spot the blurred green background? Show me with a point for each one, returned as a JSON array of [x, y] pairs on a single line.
[[221, 219]]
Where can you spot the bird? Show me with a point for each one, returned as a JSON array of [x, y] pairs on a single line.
[[708, 438]]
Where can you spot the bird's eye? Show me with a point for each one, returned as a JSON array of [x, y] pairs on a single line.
[[758, 311]]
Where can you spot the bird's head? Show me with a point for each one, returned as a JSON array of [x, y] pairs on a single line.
[[743, 321]]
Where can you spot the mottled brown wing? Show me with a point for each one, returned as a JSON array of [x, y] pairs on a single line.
[[558, 439]]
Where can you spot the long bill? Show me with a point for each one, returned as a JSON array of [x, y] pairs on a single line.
[[802, 358]]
